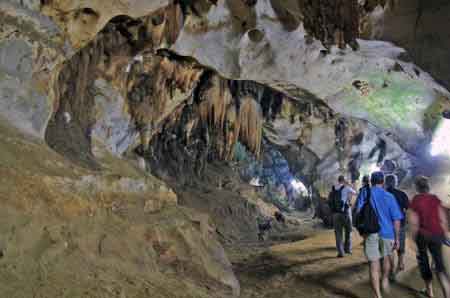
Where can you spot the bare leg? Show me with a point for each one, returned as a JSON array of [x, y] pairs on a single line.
[[392, 265], [443, 281], [386, 271], [375, 278], [429, 288]]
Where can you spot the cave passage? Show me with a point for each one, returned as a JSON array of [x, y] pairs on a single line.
[[222, 149]]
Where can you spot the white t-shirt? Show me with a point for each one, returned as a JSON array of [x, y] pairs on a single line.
[[345, 194]]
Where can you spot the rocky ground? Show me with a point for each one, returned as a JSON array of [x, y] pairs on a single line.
[[309, 268], [73, 232], [67, 231]]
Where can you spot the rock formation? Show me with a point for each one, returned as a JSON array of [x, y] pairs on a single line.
[[98, 98]]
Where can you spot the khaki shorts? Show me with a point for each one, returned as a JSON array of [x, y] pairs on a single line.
[[376, 248]]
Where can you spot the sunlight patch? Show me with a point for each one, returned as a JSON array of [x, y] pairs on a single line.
[[299, 186], [441, 139]]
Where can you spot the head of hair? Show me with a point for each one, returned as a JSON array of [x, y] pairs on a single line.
[[377, 178], [365, 180], [422, 184], [341, 179], [391, 181]]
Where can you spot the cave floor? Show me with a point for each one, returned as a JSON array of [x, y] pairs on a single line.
[[309, 268]]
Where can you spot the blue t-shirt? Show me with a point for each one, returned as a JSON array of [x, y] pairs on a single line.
[[386, 208]]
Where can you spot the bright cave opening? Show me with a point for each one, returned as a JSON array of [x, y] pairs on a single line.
[[440, 145]]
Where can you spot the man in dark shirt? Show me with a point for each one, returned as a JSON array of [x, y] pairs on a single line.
[[403, 202]]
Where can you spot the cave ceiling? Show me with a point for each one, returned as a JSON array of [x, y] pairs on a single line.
[[176, 64]]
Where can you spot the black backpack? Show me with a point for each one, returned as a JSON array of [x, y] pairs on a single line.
[[366, 220], [335, 200]]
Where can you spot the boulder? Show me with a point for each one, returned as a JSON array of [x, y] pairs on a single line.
[[31, 46]]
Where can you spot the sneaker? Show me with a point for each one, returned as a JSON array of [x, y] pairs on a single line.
[[340, 255]]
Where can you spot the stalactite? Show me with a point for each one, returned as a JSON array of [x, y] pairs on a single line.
[[231, 133], [250, 124], [215, 101], [146, 86], [174, 25]]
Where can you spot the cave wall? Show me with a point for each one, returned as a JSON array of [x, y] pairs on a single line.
[[81, 224], [157, 88], [177, 85], [419, 27], [288, 61], [371, 79], [82, 20], [31, 47]]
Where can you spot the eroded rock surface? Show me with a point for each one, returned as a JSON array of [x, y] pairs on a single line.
[[31, 46], [84, 233], [287, 61], [82, 20], [124, 90], [418, 26]]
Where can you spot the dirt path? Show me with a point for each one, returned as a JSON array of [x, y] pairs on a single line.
[[309, 268]]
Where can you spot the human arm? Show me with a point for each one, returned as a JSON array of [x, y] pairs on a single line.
[[351, 190], [396, 217], [443, 217], [350, 195], [413, 221]]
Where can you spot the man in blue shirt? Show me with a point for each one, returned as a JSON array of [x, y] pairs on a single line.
[[382, 244]]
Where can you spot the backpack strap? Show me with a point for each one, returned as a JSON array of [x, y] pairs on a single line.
[[368, 195], [346, 200]]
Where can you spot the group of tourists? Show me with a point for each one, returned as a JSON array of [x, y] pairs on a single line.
[[381, 214]]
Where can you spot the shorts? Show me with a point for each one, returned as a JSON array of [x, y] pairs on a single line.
[[376, 248]]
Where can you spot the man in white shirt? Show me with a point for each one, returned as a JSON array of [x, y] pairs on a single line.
[[342, 219]]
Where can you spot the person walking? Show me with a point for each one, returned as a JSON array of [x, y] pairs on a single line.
[[403, 202], [362, 193], [429, 226], [342, 216], [364, 189], [380, 245]]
